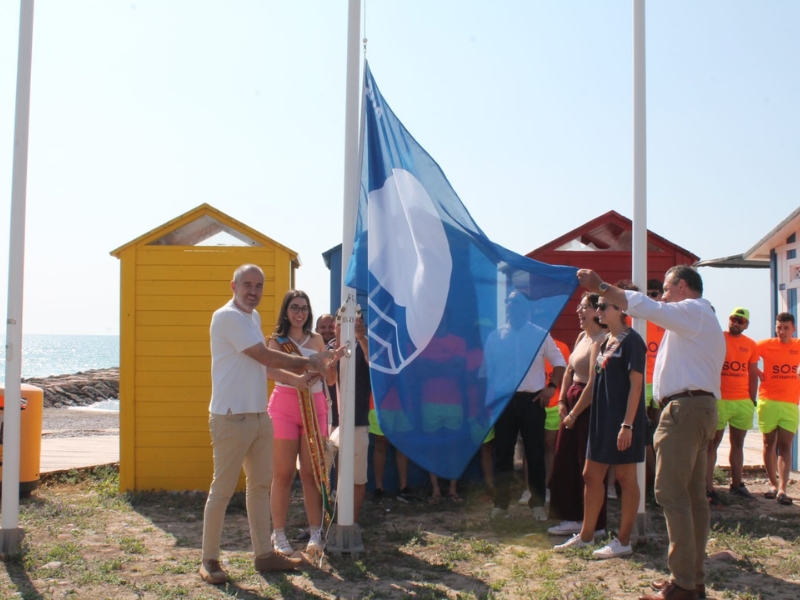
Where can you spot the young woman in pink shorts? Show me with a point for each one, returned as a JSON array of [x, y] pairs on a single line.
[[295, 323]]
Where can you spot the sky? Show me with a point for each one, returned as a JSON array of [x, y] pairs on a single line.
[[143, 110]]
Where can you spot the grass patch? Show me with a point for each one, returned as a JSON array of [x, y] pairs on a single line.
[[130, 545], [87, 541]]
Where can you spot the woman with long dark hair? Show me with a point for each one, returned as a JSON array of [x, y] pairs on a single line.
[[299, 413]]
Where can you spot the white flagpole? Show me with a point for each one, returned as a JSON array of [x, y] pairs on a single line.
[[345, 536], [11, 534], [639, 249]]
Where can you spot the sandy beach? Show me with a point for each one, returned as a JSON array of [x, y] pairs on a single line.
[[63, 422]]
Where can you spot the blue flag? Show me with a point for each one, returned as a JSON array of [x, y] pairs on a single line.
[[436, 290]]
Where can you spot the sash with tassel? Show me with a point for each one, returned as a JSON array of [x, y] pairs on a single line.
[[313, 436]]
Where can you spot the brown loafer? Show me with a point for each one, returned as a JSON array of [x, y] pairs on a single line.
[[660, 585], [273, 561], [668, 590], [211, 572]]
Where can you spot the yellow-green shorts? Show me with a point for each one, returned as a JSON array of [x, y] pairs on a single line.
[[739, 413], [437, 416], [773, 414], [489, 436], [551, 419], [395, 418], [649, 401]]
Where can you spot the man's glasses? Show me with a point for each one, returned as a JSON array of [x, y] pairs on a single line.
[[296, 308], [737, 320], [654, 293], [603, 306]]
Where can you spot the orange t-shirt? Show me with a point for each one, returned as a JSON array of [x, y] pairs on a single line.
[[655, 333], [740, 353], [548, 370], [780, 370]]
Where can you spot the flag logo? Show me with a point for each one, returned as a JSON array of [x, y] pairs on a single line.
[[409, 257]]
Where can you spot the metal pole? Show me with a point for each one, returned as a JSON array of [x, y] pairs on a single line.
[[345, 536], [11, 534], [639, 247]]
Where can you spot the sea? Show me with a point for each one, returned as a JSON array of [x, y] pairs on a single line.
[[45, 355]]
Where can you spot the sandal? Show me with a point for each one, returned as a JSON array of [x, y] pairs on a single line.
[[455, 499], [771, 494], [434, 500], [784, 500]]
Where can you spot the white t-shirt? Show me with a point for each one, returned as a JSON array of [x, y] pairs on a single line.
[[238, 382]]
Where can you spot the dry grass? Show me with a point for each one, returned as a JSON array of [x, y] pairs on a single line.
[[85, 541]]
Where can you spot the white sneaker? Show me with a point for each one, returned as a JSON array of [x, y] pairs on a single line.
[[539, 514], [526, 496], [281, 544], [573, 543], [499, 513], [566, 528], [315, 545], [613, 549]]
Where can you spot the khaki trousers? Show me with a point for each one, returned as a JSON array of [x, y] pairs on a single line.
[[686, 427], [243, 440]]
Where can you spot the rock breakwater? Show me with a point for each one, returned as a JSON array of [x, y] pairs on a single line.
[[78, 389]]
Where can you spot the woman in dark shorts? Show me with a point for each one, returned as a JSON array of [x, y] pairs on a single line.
[[616, 428]]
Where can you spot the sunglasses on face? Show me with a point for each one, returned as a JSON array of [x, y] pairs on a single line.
[[603, 306], [737, 320], [654, 293], [296, 308]]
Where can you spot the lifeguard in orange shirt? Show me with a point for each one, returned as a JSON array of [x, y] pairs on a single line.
[[737, 404], [777, 403]]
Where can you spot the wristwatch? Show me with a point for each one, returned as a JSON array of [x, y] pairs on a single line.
[[603, 287]]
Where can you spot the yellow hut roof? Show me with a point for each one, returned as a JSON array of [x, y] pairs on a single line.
[[200, 224]]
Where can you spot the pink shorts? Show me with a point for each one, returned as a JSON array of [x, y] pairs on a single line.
[[284, 408]]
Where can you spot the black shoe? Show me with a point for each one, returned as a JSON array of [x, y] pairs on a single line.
[[405, 495], [714, 499], [742, 491], [377, 496]]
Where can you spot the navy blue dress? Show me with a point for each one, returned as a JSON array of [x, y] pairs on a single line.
[[610, 402]]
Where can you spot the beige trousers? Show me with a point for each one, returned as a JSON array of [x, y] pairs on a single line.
[[243, 440], [686, 427]]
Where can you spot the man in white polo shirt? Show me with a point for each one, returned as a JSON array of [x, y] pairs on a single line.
[[241, 430]]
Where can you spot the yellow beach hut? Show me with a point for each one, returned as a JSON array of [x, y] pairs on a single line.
[[172, 279]]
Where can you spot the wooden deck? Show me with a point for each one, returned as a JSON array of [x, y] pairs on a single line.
[[753, 456], [62, 454]]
